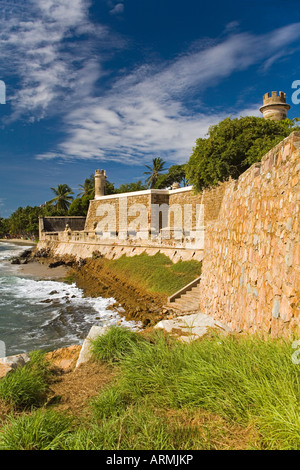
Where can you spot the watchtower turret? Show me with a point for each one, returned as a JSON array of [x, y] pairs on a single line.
[[275, 106], [100, 183]]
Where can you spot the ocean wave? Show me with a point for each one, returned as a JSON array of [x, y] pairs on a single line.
[[46, 314], [37, 314], [9, 250]]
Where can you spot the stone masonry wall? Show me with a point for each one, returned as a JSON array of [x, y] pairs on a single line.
[[92, 217], [211, 199], [251, 268]]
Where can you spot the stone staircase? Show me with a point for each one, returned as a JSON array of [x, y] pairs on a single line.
[[186, 299]]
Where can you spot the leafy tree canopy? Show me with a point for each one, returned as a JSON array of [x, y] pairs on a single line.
[[80, 206], [131, 187], [24, 221], [4, 227], [87, 188], [110, 188], [175, 174], [232, 146]]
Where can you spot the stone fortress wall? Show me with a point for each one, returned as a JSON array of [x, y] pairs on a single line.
[[123, 224], [58, 224], [251, 251], [251, 267]]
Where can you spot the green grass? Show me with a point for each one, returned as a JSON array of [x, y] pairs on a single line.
[[169, 395], [115, 344], [42, 430], [112, 402], [157, 273], [248, 381], [27, 387], [136, 428]]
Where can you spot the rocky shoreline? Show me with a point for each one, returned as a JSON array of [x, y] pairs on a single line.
[[96, 280]]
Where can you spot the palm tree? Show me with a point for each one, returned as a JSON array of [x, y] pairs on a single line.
[[63, 198], [87, 188], [154, 171]]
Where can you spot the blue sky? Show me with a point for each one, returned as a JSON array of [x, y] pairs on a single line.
[[114, 83]]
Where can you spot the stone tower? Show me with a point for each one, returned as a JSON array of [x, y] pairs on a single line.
[[100, 183], [275, 106]]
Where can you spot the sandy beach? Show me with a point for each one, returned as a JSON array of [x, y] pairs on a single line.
[[18, 241], [43, 271], [35, 268]]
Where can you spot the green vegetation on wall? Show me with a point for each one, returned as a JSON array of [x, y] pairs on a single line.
[[232, 146], [157, 273]]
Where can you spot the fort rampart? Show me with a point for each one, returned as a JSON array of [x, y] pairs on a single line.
[[251, 245], [251, 267]]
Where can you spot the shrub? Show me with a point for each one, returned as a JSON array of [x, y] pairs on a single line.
[[232, 146]]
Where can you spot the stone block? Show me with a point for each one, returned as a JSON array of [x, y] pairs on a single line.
[[191, 327], [85, 352]]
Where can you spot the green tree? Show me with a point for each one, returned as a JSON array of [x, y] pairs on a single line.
[[4, 227], [87, 188], [131, 187], [24, 221], [79, 206], [232, 146], [109, 188], [63, 197], [176, 174], [157, 168]]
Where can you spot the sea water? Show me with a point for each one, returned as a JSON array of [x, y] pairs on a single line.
[[44, 314]]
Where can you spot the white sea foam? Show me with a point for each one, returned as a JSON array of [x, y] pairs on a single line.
[[39, 291], [9, 250], [47, 314]]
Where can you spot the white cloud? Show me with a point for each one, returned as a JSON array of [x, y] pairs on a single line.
[[2, 200], [37, 47], [117, 9], [49, 45], [143, 114]]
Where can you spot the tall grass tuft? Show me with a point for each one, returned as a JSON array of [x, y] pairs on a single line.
[[42, 430], [27, 387], [115, 344], [110, 402]]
